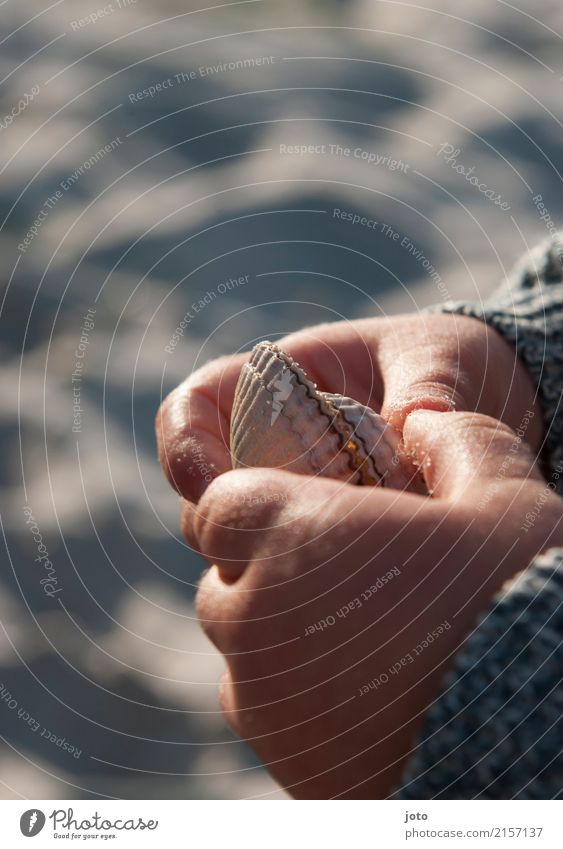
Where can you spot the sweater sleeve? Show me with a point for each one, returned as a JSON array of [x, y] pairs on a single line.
[[496, 729], [528, 311]]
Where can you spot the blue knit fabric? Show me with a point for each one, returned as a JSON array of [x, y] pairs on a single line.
[[496, 730]]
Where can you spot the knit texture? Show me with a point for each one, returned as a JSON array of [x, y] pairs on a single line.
[[496, 730]]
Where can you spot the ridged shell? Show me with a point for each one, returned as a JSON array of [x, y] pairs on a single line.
[[281, 420]]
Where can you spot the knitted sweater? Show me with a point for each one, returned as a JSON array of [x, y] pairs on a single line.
[[496, 729]]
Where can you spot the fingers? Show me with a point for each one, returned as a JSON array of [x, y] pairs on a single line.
[[267, 528], [277, 542], [341, 357], [235, 514], [256, 514], [436, 362], [453, 363], [192, 425], [424, 367], [463, 454]]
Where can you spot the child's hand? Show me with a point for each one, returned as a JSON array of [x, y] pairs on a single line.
[[396, 364], [340, 608], [319, 587]]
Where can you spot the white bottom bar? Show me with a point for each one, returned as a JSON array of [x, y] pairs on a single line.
[[279, 825]]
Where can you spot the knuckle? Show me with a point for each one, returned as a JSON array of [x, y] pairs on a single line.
[[210, 523], [466, 422], [494, 436], [232, 626], [231, 716], [207, 610], [235, 504], [503, 454], [217, 612], [450, 387]]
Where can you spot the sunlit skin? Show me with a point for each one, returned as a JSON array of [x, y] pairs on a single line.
[[288, 552]]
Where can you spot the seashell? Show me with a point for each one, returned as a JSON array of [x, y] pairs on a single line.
[[281, 420]]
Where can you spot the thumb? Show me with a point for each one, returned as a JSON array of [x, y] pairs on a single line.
[[423, 369], [467, 454]]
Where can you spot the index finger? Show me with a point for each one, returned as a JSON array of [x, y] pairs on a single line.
[[192, 426]]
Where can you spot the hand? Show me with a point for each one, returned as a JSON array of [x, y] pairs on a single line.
[[395, 364], [340, 608]]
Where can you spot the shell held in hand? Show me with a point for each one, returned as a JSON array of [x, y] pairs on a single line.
[[281, 420]]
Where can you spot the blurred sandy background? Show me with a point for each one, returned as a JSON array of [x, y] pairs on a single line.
[[193, 192]]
